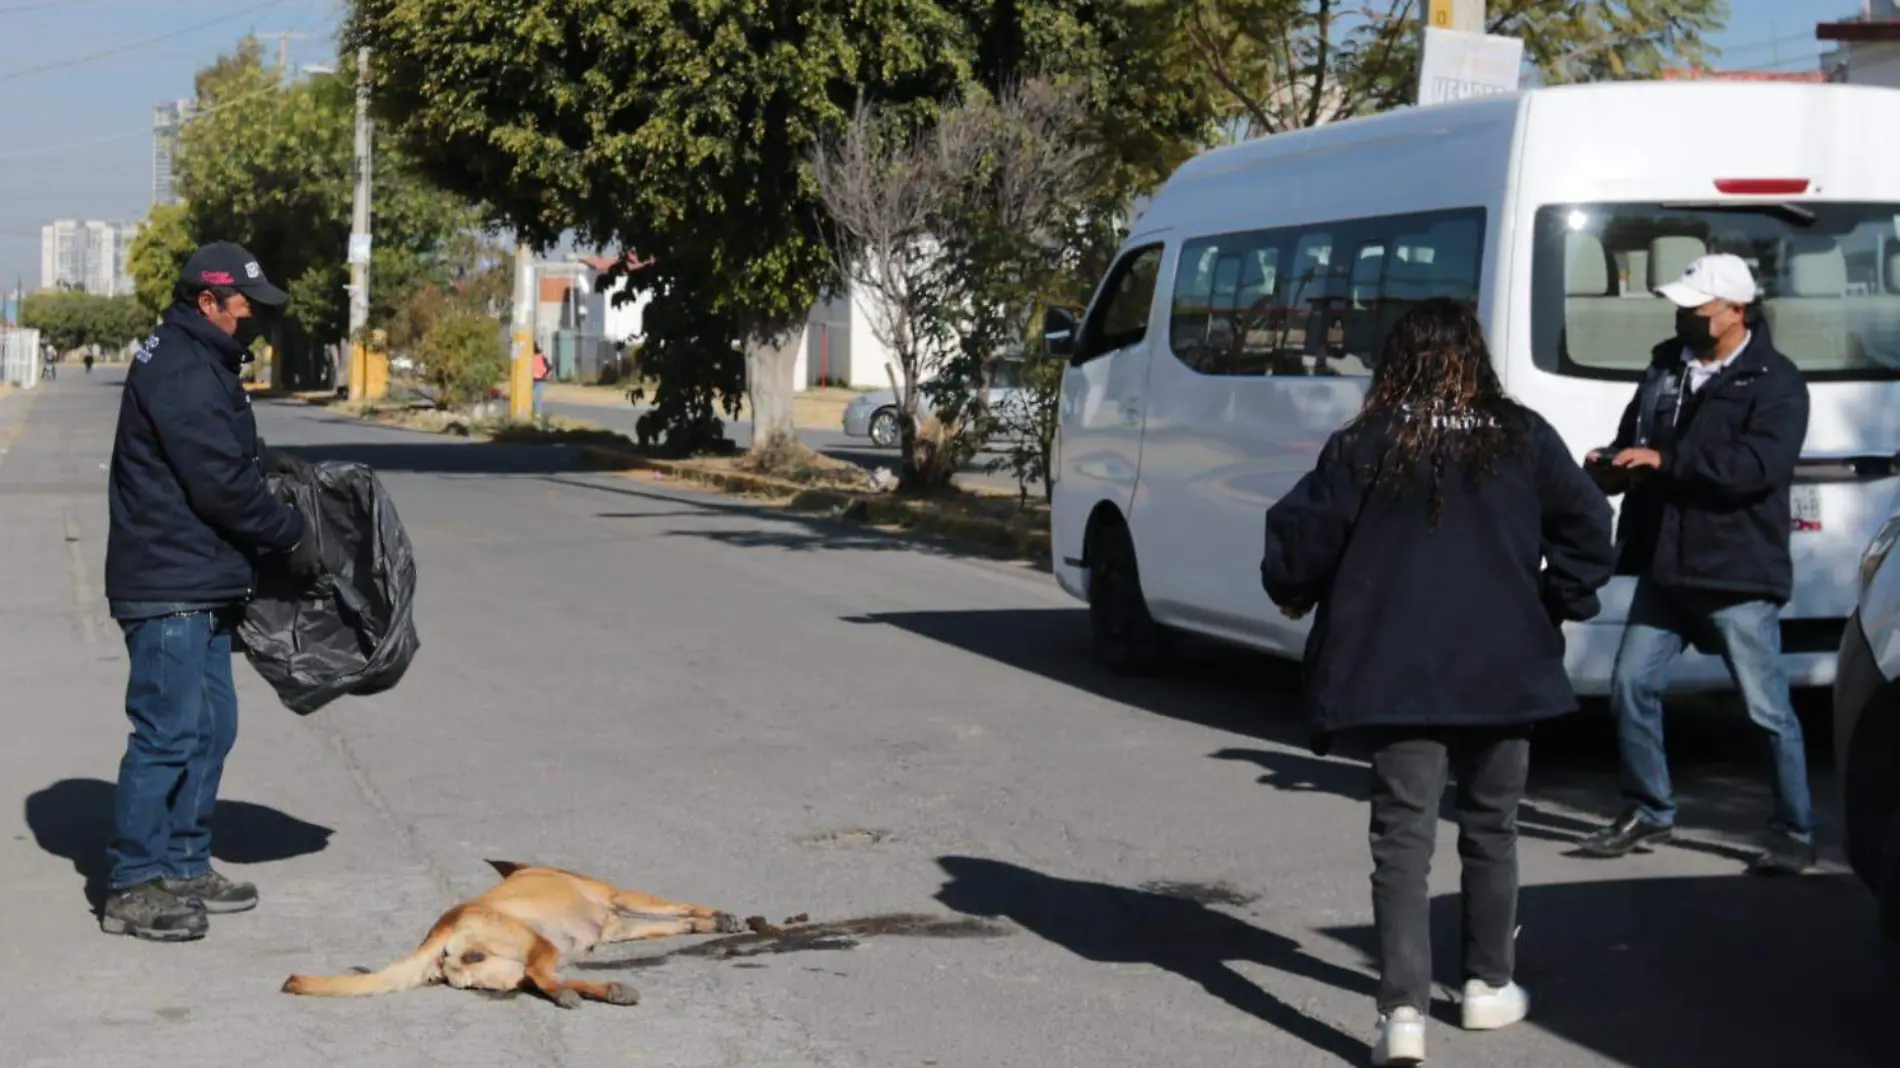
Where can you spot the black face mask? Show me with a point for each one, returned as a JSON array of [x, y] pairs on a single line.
[[249, 329], [1695, 331]]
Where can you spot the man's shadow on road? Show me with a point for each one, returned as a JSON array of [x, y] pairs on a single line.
[[1297, 773], [1115, 925], [72, 818]]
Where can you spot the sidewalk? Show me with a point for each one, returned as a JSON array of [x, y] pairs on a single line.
[[812, 409]]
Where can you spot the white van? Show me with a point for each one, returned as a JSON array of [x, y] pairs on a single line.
[[1238, 327]]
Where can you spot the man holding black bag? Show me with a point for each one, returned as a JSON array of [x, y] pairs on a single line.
[[1706, 455], [191, 520]]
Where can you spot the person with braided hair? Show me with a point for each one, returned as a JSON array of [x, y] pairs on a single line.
[[1442, 539]]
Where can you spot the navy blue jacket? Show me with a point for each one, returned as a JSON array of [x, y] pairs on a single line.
[[1457, 625], [189, 506], [1717, 516]]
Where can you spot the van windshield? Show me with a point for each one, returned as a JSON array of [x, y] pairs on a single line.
[[1828, 275]]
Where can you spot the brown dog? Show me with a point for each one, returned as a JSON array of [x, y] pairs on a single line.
[[514, 937]]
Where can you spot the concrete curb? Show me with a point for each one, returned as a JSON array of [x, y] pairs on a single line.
[[872, 509]]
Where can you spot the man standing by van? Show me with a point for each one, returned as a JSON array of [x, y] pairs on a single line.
[[1706, 455]]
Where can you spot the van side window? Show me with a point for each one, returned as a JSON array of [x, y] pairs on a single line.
[[1120, 318], [1317, 299]]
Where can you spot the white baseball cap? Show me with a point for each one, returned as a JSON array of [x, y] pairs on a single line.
[[1718, 276]]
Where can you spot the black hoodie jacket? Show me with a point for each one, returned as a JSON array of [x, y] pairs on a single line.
[[189, 507], [1445, 626]]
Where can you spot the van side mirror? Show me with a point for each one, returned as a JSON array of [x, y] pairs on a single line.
[[1061, 332]]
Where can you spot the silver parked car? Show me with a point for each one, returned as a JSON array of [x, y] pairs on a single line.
[[1867, 733], [874, 415]]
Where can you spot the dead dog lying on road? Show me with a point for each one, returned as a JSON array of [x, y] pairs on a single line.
[[515, 936]]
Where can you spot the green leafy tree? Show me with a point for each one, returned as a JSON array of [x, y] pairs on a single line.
[[72, 319], [158, 255], [1288, 64], [671, 129], [269, 166], [463, 356], [681, 130]]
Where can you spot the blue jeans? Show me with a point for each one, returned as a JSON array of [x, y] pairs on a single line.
[[1748, 634], [183, 707]]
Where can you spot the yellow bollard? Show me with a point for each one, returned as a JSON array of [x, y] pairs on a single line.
[[521, 378], [376, 366]]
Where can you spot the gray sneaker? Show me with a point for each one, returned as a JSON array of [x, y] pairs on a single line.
[[213, 892], [148, 911]]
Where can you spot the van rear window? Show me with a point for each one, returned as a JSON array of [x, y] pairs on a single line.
[[1828, 275], [1316, 299]]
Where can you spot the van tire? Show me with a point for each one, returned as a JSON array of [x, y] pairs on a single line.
[[1125, 638]]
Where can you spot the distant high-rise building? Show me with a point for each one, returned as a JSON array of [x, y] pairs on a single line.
[[62, 254], [167, 119], [87, 255]]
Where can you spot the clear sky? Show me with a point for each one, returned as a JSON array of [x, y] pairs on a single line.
[[75, 132]]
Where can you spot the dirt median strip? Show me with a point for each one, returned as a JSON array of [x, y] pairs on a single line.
[[886, 512]]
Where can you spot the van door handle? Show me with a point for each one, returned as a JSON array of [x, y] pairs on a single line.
[[1131, 414]]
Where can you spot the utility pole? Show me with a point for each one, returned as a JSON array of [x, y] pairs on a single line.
[[521, 363], [284, 37], [361, 385]]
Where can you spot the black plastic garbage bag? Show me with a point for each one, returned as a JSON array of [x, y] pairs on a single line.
[[352, 631]]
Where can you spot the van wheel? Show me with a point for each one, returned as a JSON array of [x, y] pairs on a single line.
[[884, 429], [1126, 638]]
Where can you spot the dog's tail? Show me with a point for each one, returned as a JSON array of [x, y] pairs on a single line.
[[418, 969]]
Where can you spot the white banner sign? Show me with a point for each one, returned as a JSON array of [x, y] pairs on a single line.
[[1458, 65]]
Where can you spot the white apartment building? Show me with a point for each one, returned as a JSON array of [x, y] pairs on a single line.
[[89, 255], [62, 254]]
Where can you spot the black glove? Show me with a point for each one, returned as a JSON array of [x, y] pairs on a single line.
[[305, 562], [288, 464]]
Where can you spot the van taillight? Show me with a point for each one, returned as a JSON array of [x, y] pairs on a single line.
[[1761, 187]]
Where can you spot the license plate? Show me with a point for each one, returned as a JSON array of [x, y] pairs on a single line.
[[1807, 509]]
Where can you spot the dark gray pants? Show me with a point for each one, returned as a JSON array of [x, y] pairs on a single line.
[[1409, 770]]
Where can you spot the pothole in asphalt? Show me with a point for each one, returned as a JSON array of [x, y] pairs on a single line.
[[852, 838], [766, 940]]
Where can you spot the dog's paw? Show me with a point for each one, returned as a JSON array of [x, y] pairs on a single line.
[[727, 923], [621, 994], [568, 999]]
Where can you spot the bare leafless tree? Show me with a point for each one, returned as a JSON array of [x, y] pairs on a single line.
[[949, 239], [883, 188]]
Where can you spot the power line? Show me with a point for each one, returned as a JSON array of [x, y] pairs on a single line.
[[1771, 42], [141, 131], [43, 5], [134, 46]]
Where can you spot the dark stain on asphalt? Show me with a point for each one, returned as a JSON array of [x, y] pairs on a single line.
[[768, 940], [1203, 893]]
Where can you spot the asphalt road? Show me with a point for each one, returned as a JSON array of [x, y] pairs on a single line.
[[1032, 864], [833, 443]]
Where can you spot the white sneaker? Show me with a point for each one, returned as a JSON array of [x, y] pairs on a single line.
[[1487, 1008], [1401, 1038]]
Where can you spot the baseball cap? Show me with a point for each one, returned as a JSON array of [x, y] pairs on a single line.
[[222, 263], [1718, 276]]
